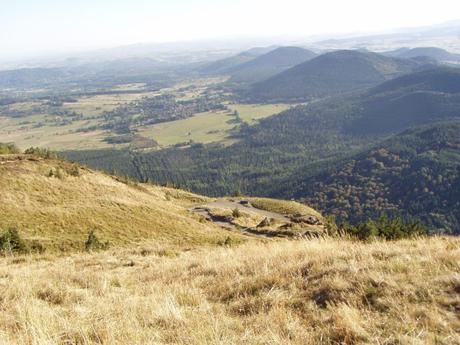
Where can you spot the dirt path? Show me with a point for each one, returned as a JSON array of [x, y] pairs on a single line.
[[231, 205], [226, 223], [205, 212]]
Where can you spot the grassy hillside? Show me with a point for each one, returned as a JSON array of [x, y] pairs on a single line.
[[269, 64], [57, 203], [289, 292], [331, 74]]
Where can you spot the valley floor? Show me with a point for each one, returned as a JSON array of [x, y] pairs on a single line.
[[322, 291]]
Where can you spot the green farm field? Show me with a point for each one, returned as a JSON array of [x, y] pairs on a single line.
[[96, 105], [210, 126], [250, 113], [25, 132], [36, 128], [202, 128]]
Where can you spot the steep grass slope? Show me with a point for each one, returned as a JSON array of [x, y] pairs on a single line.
[[289, 292], [57, 203]]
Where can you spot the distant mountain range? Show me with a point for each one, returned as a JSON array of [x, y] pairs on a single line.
[[438, 54], [443, 36]]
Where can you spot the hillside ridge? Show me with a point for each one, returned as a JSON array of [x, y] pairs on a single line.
[[331, 74], [269, 64]]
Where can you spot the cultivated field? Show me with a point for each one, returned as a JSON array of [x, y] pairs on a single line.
[[35, 131], [96, 105], [250, 113], [201, 128], [210, 126], [35, 128]]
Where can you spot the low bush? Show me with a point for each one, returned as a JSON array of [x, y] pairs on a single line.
[[36, 247], [74, 171], [8, 149], [43, 153], [93, 243], [56, 173], [11, 243], [228, 242], [236, 213]]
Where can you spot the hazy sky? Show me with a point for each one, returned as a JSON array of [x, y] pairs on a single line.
[[43, 26]]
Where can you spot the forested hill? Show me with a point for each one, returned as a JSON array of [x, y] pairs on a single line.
[[223, 66], [331, 74], [415, 174], [409, 100], [442, 79], [269, 64]]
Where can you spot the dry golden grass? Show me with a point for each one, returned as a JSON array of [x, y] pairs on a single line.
[[323, 291], [58, 211]]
